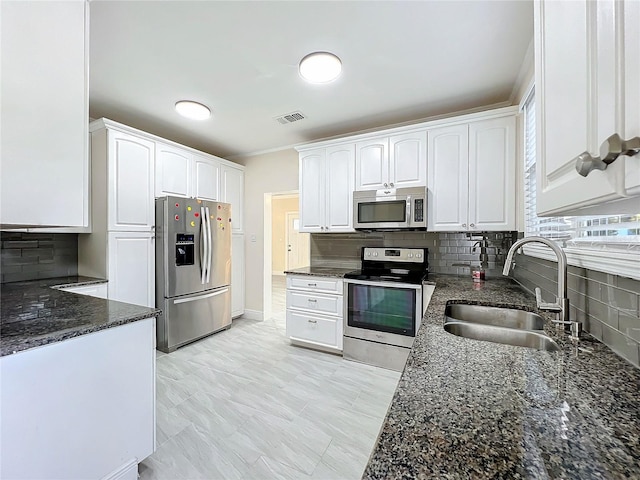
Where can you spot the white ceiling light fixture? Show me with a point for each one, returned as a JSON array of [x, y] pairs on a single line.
[[193, 110], [320, 67]]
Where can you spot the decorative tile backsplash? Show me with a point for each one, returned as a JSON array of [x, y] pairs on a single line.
[[452, 253], [30, 256], [607, 305]]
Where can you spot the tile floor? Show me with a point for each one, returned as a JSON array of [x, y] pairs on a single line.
[[245, 404]]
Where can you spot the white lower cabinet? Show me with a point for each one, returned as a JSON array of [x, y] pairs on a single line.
[[237, 274], [315, 312], [80, 408], [131, 267]]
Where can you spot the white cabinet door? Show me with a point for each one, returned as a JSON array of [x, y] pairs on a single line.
[[448, 156], [173, 171], [492, 179], [232, 191], [339, 177], [312, 188], [632, 92], [408, 160], [237, 274], [131, 183], [44, 104], [207, 178], [131, 267], [580, 101], [372, 164]]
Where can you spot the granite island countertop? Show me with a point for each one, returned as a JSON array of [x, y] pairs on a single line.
[[471, 409], [36, 313], [335, 272]]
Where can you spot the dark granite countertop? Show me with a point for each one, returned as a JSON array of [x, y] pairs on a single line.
[[37, 313], [472, 409], [320, 271]]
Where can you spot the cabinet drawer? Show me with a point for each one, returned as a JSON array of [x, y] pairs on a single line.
[[314, 328], [320, 284], [315, 302]]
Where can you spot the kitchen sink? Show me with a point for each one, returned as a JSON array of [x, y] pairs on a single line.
[[508, 336], [494, 316]]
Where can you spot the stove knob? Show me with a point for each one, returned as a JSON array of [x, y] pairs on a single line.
[[375, 254], [368, 254], [418, 255], [410, 255]]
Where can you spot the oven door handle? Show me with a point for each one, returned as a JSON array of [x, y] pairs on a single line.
[[413, 286]]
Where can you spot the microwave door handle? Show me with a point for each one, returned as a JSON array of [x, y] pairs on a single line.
[[203, 246], [408, 210]]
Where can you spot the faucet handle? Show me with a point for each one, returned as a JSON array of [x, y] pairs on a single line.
[[549, 307]]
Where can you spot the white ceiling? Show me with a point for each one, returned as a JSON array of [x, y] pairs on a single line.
[[402, 61]]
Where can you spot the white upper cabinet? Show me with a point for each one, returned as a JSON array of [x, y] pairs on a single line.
[[44, 104], [206, 178], [326, 189], [587, 89], [131, 182], [447, 202], [232, 191], [492, 174], [339, 186], [372, 164], [408, 160], [173, 171], [311, 185], [392, 162], [472, 181]]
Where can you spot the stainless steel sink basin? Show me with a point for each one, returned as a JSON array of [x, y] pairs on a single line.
[[508, 336], [496, 316]]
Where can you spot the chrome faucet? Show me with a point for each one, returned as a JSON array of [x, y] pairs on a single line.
[[561, 306]]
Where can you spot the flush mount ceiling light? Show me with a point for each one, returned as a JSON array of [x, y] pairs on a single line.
[[193, 110], [320, 67]]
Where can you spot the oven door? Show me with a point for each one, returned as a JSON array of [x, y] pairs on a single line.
[[384, 312]]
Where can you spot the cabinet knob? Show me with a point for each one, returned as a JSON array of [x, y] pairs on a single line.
[[391, 184], [321, 228], [610, 150], [472, 225], [464, 225], [386, 185]]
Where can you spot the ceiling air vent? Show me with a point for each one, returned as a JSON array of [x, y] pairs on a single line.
[[290, 118]]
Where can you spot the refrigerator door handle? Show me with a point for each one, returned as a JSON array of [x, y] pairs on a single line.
[[209, 245], [203, 245], [200, 297]]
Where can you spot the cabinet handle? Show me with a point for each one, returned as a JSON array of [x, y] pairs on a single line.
[[391, 184], [321, 228], [313, 300], [312, 321], [610, 150], [386, 185], [472, 225], [312, 284], [464, 225]]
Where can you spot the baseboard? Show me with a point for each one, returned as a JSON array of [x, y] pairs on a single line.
[[253, 314]]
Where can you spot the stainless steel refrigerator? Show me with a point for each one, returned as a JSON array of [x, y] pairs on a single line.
[[193, 269]]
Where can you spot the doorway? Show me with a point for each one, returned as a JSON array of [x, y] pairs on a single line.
[[290, 249]]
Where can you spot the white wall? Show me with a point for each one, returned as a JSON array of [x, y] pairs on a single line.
[[267, 173]]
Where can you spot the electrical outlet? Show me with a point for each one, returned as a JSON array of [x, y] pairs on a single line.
[[253, 238]]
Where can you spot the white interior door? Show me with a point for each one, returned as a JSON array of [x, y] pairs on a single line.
[[297, 243]]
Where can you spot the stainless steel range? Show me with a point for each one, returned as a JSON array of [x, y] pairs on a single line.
[[385, 302]]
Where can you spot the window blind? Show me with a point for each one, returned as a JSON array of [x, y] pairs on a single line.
[[618, 232]]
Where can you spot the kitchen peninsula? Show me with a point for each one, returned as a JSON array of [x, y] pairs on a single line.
[[78, 382], [469, 409]]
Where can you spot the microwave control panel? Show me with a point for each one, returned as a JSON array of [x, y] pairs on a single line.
[[418, 210]]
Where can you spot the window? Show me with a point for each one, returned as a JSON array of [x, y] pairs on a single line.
[[584, 238]]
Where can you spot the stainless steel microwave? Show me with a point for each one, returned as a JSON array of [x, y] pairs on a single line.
[[390, 209]]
